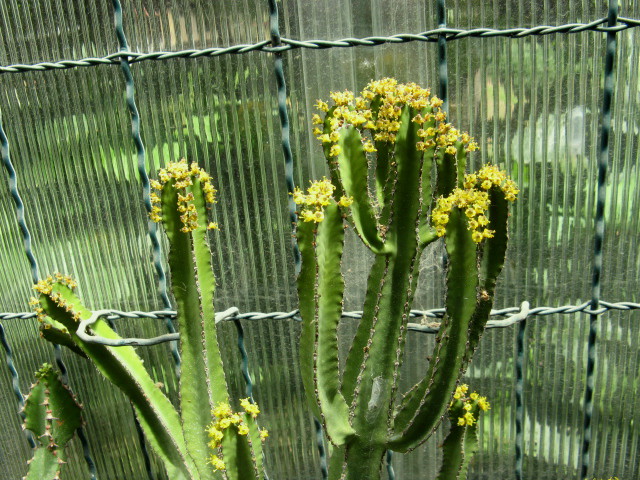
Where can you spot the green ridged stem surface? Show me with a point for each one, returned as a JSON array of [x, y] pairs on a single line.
[[459, 447], [192, 285], [123, 367], [396, 228], [53, 415]]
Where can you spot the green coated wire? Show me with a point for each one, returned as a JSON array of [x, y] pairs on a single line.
[[283, 114], [277, 46], [603, 161], [142, 169], [144, 177], [285, 44], [35, 276], [519, 396]]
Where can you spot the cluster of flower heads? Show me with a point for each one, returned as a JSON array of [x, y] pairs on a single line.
[[318, 196], [183, 176], [225, 418], [470, 403], [474, 200], [45, 287], [378, 109]]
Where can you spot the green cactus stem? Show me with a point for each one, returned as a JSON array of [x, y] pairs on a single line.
[[184, 194], [461, 442], [398, 177], [53, 415], [59, 309], [187, 441]]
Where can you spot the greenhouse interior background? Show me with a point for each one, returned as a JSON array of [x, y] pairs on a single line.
[[222, 84]]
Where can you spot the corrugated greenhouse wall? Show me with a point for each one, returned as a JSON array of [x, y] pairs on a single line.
[[533, 103]]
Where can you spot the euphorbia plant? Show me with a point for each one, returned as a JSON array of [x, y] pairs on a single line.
[[205, 438], [397, 175]]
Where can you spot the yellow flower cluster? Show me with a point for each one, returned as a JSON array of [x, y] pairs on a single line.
[[225, 417], [474, 203], [470, 403], [182, 175], [489, 176], [45, 287], [318, 196], [474, 200], [388, 98]]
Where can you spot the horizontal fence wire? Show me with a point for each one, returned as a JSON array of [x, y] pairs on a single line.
[[431, 327], [284, 44], [429, 319]]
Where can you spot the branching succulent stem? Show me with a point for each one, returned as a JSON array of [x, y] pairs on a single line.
[[398, 135]]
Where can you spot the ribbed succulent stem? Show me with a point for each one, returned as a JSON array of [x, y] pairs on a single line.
[[195, 444], [192, 287], [123, 367], [392, 139], [52, 414], [364, 460]]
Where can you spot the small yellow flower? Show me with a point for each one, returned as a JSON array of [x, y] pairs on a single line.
[[222, 410], [224, 423], [318, 216], [461, 391], [483, 404], [308, 216], [467, 419], [369, 147], [320, 105], [243, 429], [251, 408], [345, 201], [264, 434], [217, 463]]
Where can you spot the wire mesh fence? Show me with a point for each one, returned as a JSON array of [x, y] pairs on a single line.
[[550, 94]]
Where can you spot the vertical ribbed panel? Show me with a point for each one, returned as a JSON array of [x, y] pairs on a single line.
[[33, 32], [532, 103]]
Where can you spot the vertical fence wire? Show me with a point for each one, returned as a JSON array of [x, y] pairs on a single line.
[[519, 393], [35, 277], [443, 69], [144, 177], [244, 360], [391, 474], [283, 114], [19, 206], [603, 161]]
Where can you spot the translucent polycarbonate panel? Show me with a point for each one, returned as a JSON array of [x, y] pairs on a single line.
[[503, 14], [537, 116], [71, 149], [616, 441], [34, 32], [532, 103], [622, 241], [221, 113], [291, 452], [170, 25]]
